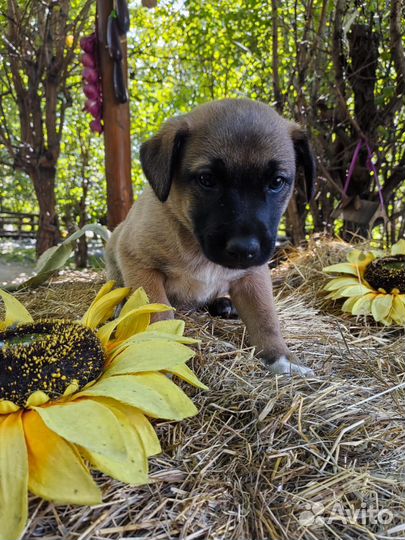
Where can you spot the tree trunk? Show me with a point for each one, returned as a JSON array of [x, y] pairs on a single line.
[[362, 76], [43, 179], [81, 252], [295, 222]]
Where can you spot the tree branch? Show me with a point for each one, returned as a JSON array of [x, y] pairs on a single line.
[[276, 77], [338, 59], [397, 48]]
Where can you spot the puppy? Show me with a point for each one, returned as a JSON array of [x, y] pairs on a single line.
[[221, 178]]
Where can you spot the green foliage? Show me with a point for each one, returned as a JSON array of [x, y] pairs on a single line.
[[81, 180], [187, 52], [55, 258]]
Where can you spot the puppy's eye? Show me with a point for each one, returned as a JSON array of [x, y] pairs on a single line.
[[276, 184], [206, 180]]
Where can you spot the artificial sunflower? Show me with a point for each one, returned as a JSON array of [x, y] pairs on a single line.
[[375, 284], [79, 393]]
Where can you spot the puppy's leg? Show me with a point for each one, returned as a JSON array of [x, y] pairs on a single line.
[[111, 265], [153, 283], [252, 296]]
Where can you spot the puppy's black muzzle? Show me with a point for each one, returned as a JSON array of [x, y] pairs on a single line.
[[243, 250], [239, 233], [237, 251]]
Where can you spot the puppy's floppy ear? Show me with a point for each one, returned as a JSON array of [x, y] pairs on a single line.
[[305, 158], [161, 155]]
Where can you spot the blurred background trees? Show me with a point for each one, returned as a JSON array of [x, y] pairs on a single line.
[[336, 67], [38, 48]]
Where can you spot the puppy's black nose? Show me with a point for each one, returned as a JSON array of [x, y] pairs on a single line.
[[243, 248]]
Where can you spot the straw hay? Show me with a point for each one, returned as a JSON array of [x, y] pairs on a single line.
[[263, 449]]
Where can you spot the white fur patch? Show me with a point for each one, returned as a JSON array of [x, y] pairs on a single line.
[[284, 366], [199, 282]]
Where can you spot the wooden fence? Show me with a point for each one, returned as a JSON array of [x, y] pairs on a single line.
[[18, 224]]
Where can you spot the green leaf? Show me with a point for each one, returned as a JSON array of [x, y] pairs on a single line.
[[54, 258]]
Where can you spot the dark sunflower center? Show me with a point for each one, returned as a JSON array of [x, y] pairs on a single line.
[[387, 273], [47, 355]]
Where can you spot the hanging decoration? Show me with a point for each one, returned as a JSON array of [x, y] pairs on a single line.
[[117, 28], [92, 82]]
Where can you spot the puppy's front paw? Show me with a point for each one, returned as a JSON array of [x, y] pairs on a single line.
[[282, 366], [222, 307]]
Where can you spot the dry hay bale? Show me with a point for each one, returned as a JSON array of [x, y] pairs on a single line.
[[265, 454], [66, 296]]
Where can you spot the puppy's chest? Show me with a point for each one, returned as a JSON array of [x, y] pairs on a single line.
[[198, 284]]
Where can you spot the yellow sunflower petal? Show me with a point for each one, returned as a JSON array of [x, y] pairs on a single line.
[[344, 268], [398, 309], [140, 423], [152, 336], [337, 283], [186, 374], [134, 469], [56, 471], [106, 288], [13, 477], [88, 424], [144, 428], [334, 295], [37, 398], [178, 400], [160, 336], [348, 304], [138, 320], [71, 389], [137, 299], [175, 326], [131, 325], [15, 311], [133, 321], [354, 290], [157, 397], [381, 306], [105, 332], [7, 407], [362, 306], [102, 308], [149, 356], [398, 248], [387, 321], [354, 255], [360, 258]]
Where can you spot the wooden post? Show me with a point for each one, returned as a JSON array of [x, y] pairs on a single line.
[[116, 127]]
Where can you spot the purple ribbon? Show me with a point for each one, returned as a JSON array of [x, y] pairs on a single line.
[[370, 166]]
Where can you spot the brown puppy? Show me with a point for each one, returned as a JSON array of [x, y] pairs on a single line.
[[221, 177]]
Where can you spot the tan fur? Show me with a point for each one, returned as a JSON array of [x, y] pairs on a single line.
[[252, 295], [155, 247], [140, 246]]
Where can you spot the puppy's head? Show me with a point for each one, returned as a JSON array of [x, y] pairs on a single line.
[[227, 169]]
